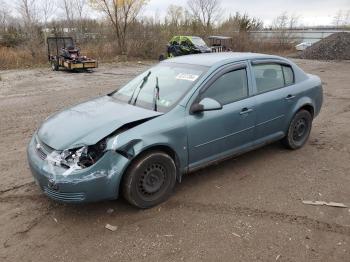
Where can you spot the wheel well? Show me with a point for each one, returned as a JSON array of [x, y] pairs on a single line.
[[166, 149], [308, 108]]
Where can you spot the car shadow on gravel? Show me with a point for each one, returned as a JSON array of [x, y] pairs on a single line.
[[227, 167], [67, 71]]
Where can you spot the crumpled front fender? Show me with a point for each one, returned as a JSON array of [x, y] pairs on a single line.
[[98, 182]]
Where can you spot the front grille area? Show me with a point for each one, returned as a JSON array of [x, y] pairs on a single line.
[[46, 148], [42, 149], [41, 153], [66, 197]]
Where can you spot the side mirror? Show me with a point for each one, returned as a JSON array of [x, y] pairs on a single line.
[[206, 104]]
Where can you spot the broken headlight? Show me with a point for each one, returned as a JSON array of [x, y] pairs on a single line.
[[84, 156]]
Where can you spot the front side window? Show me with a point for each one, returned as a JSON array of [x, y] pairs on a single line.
[[272, 76], [167, 82], [230, 87]]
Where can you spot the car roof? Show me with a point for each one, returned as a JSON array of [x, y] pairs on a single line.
[[219, 37], [185, 36], [211, 59]]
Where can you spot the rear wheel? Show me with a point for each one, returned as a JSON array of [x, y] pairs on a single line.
[[149, 180], [299, 130]]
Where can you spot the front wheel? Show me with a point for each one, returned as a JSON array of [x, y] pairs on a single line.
[[299, 130], [149, 180]]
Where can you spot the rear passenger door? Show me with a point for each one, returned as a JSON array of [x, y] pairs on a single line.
[[275, 96]]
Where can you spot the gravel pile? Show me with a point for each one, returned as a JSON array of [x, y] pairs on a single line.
[[333, 47]]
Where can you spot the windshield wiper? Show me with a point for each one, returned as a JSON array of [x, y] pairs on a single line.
[[144, 80], [156, 95]]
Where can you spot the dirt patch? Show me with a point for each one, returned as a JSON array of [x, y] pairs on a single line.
[[244, 209]]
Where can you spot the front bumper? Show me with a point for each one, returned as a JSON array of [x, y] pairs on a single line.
[[97, 182]]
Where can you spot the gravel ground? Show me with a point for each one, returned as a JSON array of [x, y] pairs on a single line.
[[244, 209], [333, 47]]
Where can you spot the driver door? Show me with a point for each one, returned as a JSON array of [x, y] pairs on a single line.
[[215, 134]]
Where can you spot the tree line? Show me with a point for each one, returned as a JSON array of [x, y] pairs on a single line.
[[119, 27]]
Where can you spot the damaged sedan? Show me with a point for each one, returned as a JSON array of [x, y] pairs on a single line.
[[180, 115]]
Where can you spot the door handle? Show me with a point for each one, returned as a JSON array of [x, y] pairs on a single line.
[[288, 97], [246, 110]]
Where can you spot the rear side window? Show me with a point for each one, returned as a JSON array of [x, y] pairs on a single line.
[[272, 76], [288, 75], [229, 87]]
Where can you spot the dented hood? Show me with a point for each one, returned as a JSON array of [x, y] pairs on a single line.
[[89, 122]]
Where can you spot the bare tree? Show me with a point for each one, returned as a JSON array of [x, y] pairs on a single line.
[[205, 11], [3, 16], [342, 18], [73, 11], [68, 7], [47, 9], [80, 7], [175, 19], [244, 23], [285, 21], [337, 19], [346, 21], [28, 10], [121, 14], [283, 25], [175, 15]]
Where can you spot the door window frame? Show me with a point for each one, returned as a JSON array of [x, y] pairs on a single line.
[[269, 62], [217, 74]]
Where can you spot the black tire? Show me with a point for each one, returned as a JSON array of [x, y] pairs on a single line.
[[299, 130], [149, 180], [54, 65]]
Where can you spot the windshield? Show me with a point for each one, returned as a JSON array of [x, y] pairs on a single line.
[[198, 41], [174, 80]]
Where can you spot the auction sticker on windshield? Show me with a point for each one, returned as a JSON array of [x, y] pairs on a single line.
[[187, 77]]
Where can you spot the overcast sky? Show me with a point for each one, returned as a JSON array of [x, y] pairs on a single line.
[[311, 12]]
